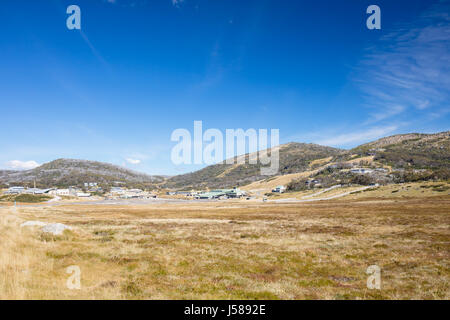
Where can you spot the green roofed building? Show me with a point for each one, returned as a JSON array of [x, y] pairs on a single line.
[[217, 193]]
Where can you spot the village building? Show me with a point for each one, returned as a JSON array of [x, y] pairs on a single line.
[[222, 194], [15, 190], [83, 194]]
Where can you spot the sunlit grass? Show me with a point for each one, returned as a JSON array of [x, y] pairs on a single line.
[[231, 250]]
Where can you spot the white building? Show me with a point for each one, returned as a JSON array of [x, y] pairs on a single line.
[[38, 191], [62, 192], [90, 184], [134, 193], [15, 190], [117, 190]]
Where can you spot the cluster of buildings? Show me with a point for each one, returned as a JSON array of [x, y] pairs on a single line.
[[221, 194], [212, 194], [124, 193], [116, 192], [72, 191], [92, 187], [75, 192]]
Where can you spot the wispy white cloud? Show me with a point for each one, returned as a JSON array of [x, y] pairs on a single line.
[[390, 110], [404, 78], [133, 161], [358, 137], [409, 69], [22, 165]]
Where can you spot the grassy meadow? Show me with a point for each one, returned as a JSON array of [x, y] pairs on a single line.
[[232, 249]]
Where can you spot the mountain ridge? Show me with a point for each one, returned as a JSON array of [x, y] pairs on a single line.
[[75, 172], [402, 151]]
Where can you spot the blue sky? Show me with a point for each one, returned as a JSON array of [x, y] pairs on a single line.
[[138, 70]]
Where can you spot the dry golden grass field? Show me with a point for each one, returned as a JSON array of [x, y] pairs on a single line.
[[231, 250]]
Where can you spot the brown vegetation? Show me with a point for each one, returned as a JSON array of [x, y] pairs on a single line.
[[231, 250]]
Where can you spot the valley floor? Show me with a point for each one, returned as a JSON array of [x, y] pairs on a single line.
[[231, 250]]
